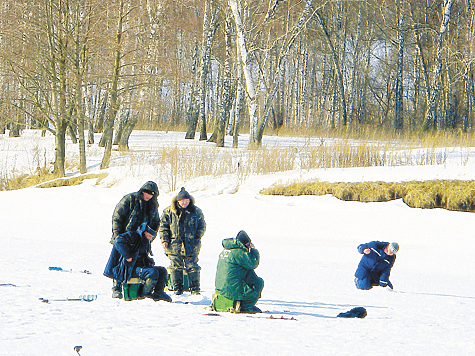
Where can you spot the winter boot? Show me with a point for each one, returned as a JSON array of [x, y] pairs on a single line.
[[250, 309], [194, 281], [176, 277], [117, 290], [148, 287], [158, 293]]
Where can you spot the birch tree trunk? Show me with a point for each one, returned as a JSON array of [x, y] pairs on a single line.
[[398, 95], [194, 108], [430, 120], [205, 61], [353, 70], [336, 65], [114, 94], [240, 96], [250, 86], [279, 75], [81, 38], [227, 98]]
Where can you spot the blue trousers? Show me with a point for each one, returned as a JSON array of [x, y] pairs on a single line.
[[155, 272], [365, 283]]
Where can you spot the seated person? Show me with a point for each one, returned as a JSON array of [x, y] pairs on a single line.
[[375, 265], [130, 259], [235, 276]]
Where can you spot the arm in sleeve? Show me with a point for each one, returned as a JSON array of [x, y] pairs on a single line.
[[200, 231], [120, 215], [384, 278], [123, 244], [362, 247], [164, 229], [249, 260]]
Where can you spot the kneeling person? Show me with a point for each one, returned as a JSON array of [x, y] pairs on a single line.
[[130, 259], [375, 265], [235, 276]]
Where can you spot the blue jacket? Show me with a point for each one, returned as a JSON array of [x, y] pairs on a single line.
[[376, 264], [132, 244]]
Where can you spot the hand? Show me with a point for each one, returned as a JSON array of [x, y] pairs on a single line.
[[250, 246], [148, 235], [366, 251], [129, 259], [165, 245]]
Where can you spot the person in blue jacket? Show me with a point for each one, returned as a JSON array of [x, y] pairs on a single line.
[[130, 258], [375, 265]]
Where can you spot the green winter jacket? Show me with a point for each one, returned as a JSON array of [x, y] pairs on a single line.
[[182, 224], [132, 211], [234, 266]]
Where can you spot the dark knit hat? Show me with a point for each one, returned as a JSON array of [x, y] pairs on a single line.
[[183, 194], [243, 237]]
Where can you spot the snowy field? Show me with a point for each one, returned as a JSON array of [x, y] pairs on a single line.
[[308, 258]]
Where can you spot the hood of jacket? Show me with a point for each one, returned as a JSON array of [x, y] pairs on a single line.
[[151, 186], [230, 244]]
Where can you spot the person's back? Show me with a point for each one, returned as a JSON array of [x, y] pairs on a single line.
[[235, 276]]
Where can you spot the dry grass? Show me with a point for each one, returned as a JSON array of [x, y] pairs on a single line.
[[447, 194], [42, 179]]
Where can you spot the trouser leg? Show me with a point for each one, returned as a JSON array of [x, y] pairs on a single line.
[[252, 291], [117, 289], [364, 283], [194, 282]]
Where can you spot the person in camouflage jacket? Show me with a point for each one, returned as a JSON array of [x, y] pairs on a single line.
[[181, 228], [133, 210], [235, 275]]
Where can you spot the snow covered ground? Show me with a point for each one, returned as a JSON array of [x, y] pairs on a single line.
[[308, 257]]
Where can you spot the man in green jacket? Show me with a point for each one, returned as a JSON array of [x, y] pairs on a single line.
[[181, 228], [235, 276]]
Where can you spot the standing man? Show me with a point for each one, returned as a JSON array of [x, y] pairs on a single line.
[[133, 210], [181, 227], [235, 276], [375, 265]]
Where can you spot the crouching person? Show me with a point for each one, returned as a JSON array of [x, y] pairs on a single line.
[[235, 276], [130, 258], [375, 265]]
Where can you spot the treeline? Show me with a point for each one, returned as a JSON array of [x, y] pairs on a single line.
[[227, 66]]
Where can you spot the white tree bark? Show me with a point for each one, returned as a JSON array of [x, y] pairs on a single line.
[[250, 86], [431, 112]]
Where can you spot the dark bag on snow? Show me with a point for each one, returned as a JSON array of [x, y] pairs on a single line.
[[358, 312]]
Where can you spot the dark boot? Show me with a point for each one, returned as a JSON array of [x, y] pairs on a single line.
[[117, 290], [158, 293], [176, 277], [194, 282], [148, 287], [249, 309]]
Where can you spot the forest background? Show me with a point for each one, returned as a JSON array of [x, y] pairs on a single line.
[[364, 69]]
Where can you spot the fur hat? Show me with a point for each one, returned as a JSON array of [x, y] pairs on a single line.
[[183, 194], [243, 237]]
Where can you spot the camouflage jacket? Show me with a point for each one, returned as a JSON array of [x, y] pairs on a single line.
[[182, 224], [132, 211], [234, 264]]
